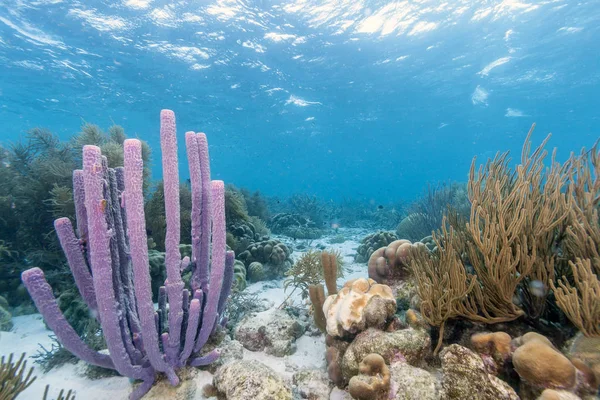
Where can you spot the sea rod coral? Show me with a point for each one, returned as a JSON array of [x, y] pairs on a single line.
[[109, 261]]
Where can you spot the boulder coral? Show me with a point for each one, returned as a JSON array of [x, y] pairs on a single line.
[[391, 264], [272, 254], [494, 344], [542, 365], [360, 304], [373, 380], [373, 242]]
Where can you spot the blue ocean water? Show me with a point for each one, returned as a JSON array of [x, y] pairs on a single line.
[[337, 98]]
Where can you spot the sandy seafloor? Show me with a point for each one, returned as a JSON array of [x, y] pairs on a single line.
[[29, 332]]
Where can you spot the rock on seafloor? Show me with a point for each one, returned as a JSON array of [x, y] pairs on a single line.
[[250, 380], [273, 331], [412, 383], [229, 350], [311, 384], [412, 344], [192, 380], [465, 377]]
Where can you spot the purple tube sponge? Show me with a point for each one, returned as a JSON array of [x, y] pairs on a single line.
[[109, 261]]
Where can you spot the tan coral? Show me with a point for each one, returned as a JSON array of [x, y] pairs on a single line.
[[390, 262], [551, 394], [541, 365], [531, 337], [360, 304], [495, 344], [373, 381]]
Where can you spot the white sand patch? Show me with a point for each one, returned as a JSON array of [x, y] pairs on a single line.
[[27, 334]]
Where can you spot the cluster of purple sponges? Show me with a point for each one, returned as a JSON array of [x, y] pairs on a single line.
[[109, 261]]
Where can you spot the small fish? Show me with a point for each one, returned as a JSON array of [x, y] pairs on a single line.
[[380, 207], [537, 288], [103, 204]]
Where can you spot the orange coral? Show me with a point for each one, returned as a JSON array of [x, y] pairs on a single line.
[[373, 381], [495, 344]]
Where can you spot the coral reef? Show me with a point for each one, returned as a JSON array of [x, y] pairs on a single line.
[[372, 242], [272, 258], [295, 226], [110, 216], [500, 265]]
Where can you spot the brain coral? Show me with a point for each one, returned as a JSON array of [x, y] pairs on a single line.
[[390, 263], [360, 304]]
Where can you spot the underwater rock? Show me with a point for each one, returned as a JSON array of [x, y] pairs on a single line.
[[273, 331], [230, 350], [186, 390], [412, 383], [414, 345], [250, 380], [464, 373], [359, 305], [371, 243], [339, 394], [272, 254], [311, 384]]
